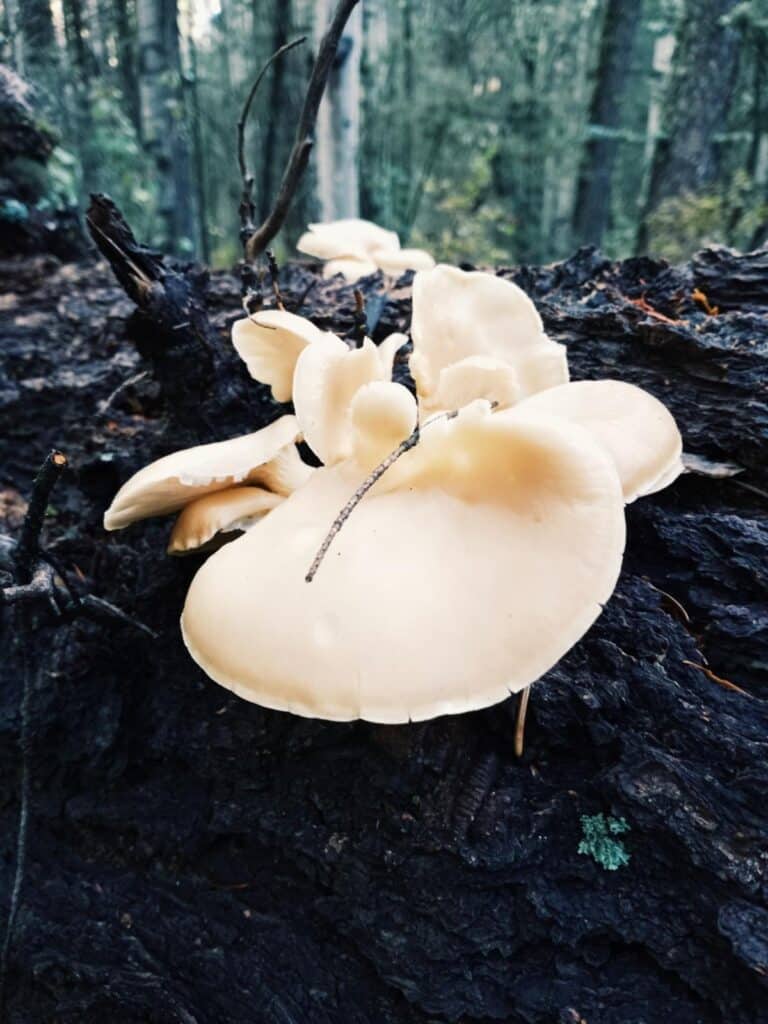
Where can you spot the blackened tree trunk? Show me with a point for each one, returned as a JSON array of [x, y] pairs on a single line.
[[163, 121], [696, 105], [593, 198]]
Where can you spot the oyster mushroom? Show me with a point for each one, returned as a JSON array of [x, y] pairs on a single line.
[[220, 513], [459, 316], [636, 429], [357, 248], [490, 548], [267, 458]]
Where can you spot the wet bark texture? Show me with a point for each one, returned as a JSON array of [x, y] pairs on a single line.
[[194, 858]]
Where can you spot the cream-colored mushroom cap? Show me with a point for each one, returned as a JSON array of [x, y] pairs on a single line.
[[350, 237], [350, 269], [458, 314], [382, 415], [268, 457], [221, 512], [636, 429], [472, 378], [397, 261], [269, 343], [328, 374], [461, 577]]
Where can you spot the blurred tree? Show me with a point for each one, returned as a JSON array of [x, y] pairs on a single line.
[[163, 121], [593, 198], [696, 105]]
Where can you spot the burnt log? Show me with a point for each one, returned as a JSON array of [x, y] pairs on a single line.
[[192, 857]]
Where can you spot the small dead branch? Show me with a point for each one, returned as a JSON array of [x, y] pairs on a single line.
[[717, 679], [28, 547], [274, 276], [299, 155], [366, 485], [246, 208], [522, 711], [359, 321]]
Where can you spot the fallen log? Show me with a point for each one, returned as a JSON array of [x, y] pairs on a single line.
[[192, 857]]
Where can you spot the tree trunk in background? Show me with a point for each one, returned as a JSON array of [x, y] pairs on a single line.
[[338, 121], [696, 105], [37, 40], [164, 129], [270, 167], [593, 200], [78, 33], [124, 12]]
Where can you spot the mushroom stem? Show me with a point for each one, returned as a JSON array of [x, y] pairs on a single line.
[[522, 711]]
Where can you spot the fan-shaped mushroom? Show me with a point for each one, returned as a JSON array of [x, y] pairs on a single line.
[[490, 548], [328, 375], [356, 248], [270, 343], [222, 512], [458, 315], [267, 457], [636, 429]]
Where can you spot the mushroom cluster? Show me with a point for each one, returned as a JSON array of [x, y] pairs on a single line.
[[356, 248], [460, 574]]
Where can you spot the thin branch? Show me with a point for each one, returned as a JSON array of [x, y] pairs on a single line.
[[366, 485], [522, 711], [29, 542], [299, 155], [359, 320], [246, 200], [274, 275]]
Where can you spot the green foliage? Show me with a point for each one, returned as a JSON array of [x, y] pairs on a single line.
[[12, 211], [598, 841], [729, 215]]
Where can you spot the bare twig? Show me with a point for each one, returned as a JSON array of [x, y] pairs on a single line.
[[246, 198], [359, 321], [522, 711], [274, 276], [366, 485], [29, 542], [299, 155]]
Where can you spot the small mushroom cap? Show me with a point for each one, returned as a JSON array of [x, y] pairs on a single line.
[[220, 512], [350, 269], [464, 578], [328, 374], [636, 429], [269, 343], [473, 378], [382, 415], [457, 314], [267, 457], [351, 237], [388, 349], [397, 261]]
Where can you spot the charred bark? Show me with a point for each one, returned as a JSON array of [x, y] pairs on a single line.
[[192, 857]]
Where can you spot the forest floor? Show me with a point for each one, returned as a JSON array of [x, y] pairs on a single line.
[[191, 857]]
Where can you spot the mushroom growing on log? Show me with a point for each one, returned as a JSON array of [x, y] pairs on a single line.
[[194, 857]]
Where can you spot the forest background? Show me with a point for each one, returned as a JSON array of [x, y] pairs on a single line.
[[483, 130]]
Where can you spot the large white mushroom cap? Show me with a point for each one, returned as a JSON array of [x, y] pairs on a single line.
[[467, 571], [635, 429], [461, 315], [328, 376], [267, 457], [357, 248], [270, 343]]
